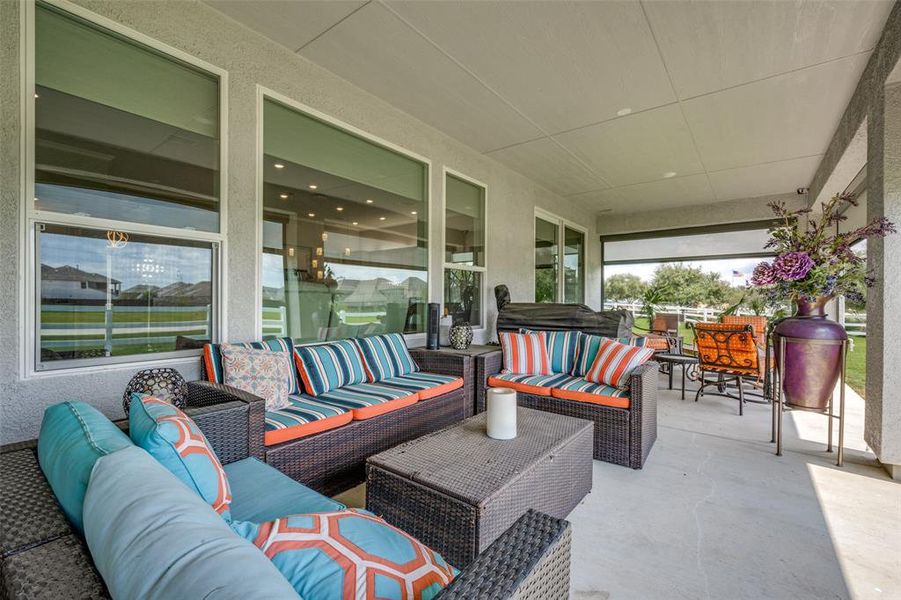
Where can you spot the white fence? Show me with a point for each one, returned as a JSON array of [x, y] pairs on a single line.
[[855, 323]]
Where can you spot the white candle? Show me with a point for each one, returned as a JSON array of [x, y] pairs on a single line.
[[501, 413]]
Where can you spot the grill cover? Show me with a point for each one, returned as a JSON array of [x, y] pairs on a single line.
[[532, 315]]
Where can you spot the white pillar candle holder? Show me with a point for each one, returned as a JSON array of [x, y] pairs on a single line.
[[501, 407]]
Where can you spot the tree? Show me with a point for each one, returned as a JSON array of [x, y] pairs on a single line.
[[691, 286], [624, 287]]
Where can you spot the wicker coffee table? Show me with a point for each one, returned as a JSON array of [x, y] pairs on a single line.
[[457, 489]]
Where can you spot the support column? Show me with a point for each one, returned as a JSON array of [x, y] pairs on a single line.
[[883, 401]]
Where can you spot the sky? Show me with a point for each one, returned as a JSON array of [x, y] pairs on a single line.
[[722, 266]]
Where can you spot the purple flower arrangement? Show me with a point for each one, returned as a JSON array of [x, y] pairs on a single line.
[[812, 260]]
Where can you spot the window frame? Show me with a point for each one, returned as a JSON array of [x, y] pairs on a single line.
[[264, 93], [562, 224], [31, 217], [483, 304]]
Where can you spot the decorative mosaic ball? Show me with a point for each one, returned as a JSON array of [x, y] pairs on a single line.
[[165, 384], [460, 336]]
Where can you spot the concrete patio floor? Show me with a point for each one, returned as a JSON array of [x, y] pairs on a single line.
[[715, 514]]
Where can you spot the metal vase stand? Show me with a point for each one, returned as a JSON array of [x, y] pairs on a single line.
[[779, 405]]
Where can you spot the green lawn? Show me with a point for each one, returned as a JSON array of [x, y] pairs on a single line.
[[857, 365], [99, 317], [857, 356]]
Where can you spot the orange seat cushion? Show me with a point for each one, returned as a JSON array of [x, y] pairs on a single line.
[[304, 415], [539, 385], [580, 389]]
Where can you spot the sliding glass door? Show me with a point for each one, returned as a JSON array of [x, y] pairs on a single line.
[[573, 265], [547, 260], [559, 260]]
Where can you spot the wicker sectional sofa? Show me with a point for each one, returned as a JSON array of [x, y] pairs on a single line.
[[43, 557], [623, 434], [334, 460]]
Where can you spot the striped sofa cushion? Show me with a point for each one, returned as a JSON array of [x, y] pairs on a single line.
[[367, 400], [525, 353], [304, 415], [615, 362], [427, 385], [212, 359], [325, 367], [588, 350], [562, 347], [386, 356], [539, 385], [582, 390]]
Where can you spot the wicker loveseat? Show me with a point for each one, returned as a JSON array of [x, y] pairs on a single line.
[[623, 433], [333, 460], [42, 556]]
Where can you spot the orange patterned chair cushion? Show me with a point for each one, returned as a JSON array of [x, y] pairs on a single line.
[[727, 348], [757, 323]]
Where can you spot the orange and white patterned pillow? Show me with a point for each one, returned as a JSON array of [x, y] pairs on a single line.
[[525, 353], [263, 373], [615, 362]]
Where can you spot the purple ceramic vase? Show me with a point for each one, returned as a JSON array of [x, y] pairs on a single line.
[[811, 369]]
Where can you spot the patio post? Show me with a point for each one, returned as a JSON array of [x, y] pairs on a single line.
[[883, 391]]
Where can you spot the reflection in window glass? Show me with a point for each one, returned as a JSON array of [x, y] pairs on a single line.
[[121, 131], [464, 223], [463, 296], [464, 250], [546, 260], [573, 266], [345, 248], [110, 294]]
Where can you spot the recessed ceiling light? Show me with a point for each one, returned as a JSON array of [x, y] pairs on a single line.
[[279, 166], [368, 201], [339, 208], [283, 196], [669, 174], [311, 215], [412, 212], [312, 186], [623, 112], [382, 218], [354, 223]]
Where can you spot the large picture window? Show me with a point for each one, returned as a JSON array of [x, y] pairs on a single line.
[[126, 203], [122, 131], [345, 221], [464, 249]]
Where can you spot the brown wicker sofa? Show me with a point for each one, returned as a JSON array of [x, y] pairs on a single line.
[[333, 461], [42, 558], [623, 436]]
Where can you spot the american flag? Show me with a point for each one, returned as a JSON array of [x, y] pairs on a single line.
[[737, 274]]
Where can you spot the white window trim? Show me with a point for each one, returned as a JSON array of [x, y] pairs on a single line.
[[562, 223], [483, 304], [264, 93], [30, 216]]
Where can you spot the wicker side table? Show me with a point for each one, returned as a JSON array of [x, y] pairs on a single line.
[[457, 490]]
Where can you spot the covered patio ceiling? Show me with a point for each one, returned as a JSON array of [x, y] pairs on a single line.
[[623, 107]]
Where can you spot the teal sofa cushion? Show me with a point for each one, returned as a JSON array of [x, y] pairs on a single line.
[[349, 554], [153, 538], [74, 435], [174, 439], [282, 496]]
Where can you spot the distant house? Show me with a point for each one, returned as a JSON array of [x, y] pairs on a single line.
[[71, 283]]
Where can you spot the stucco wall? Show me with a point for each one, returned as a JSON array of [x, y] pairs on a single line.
[[249, 59]]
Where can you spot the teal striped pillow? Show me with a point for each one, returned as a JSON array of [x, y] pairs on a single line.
[[562, 348], [386, 356], [325, 367]]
